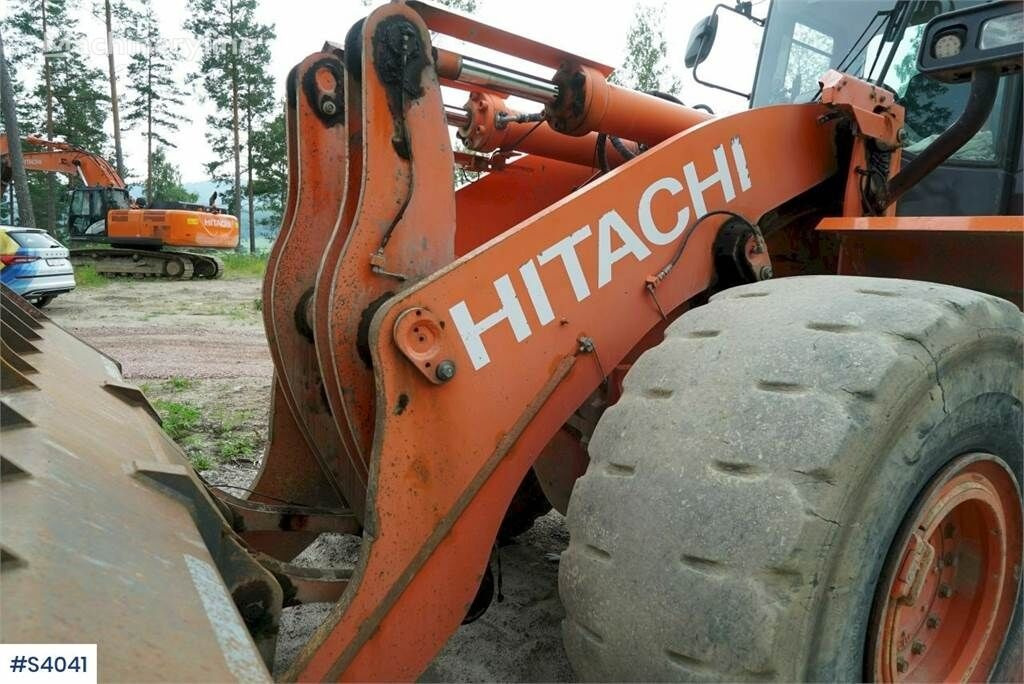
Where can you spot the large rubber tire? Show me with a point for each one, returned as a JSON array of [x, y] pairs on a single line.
[[743, 494]]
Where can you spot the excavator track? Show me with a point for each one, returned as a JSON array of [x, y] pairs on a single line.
[[142, 263]]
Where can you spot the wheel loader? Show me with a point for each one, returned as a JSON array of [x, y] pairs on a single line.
[[768, 364], [141, 239]]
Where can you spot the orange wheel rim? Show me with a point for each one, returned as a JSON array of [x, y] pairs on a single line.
[[951, 580]]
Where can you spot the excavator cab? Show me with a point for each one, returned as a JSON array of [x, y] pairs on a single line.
[[87, 216]]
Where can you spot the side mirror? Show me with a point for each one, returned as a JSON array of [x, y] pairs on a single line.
[[702, 37], [955, 44]]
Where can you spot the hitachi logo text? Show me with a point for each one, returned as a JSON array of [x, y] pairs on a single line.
[[631, 244]]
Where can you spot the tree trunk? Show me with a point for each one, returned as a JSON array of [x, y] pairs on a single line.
[[51, 204], [248, 188], [26, 217], [236, 200], [149, 128], [118, 154]]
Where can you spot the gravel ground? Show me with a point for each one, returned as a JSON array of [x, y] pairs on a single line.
[[200, 346]]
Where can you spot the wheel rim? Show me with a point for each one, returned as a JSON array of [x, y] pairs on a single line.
[[951, 579]]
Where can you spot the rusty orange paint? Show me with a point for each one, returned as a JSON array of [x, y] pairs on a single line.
[[877, 117], [462, 27], [491, 205], [328, 264], [978, 252], [484, 134], [440, 480], [933, 621], [588, 102], [926, 224], [320, 147], [289, 472], [392, 242]]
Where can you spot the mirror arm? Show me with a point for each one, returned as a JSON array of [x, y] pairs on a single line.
[[984, 86], [715, 85], [745, 15]]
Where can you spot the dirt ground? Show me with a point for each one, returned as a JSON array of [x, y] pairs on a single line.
[[198, 351]]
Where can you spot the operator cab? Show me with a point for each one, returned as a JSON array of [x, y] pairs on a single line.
[[87, 218], [804, 38]]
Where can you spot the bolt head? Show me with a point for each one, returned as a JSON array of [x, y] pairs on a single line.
[[445, 371], [917, 648], [328, 107], [901, 136], [932, 621], [945, 591], [901, 665], [765, 273]]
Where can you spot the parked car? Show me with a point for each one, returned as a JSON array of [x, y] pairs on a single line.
[[34, 264]]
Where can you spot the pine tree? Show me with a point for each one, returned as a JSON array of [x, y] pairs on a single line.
[[270, 171], [19, 179], [165, 180], [233, 72], [258, 104], [108, 21], [646, 65], [157, 100], [67, 100]]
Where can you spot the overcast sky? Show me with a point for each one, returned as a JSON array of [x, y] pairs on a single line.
[[592, 29]]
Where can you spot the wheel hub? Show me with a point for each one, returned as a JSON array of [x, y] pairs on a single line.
[[951, 580]]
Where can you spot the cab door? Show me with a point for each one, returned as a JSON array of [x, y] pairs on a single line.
[[87, 217]]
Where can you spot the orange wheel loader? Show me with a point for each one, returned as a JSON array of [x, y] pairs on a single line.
[[769, 366], [141, 239]]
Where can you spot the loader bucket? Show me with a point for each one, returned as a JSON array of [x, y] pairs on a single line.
[[108, 535]]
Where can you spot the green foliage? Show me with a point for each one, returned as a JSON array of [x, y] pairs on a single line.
[[270, 171], [199, 460], [156, 101], [165, 180], [646, 66], [76, 90], [234, 73], [237, 446], [178, 384], [87, 277], [244, 265], [180, 419]]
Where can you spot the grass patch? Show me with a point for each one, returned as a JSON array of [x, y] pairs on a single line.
[[208, 433], [238, 446], [199, 461], [243, 265], [180, 419], [87, 277], [178, 384]]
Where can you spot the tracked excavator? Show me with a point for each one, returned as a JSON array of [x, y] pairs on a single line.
[[143, 241], [769, 365]]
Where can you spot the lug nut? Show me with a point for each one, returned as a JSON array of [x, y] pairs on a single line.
[[917, 648], [445, 371]]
